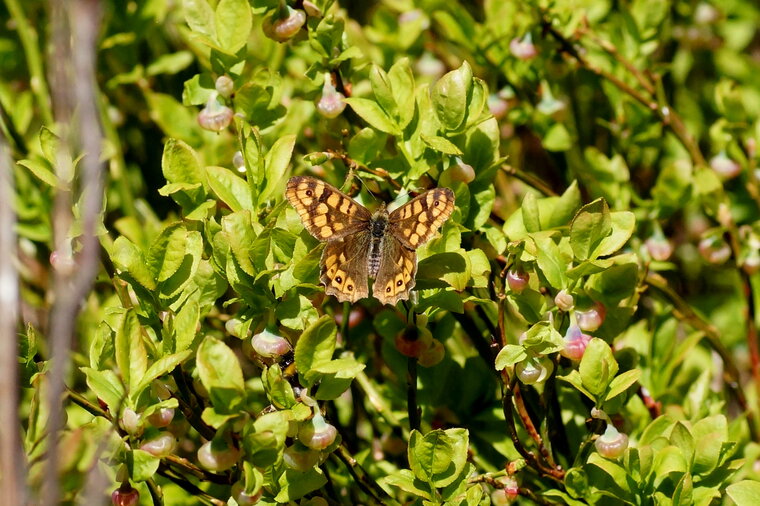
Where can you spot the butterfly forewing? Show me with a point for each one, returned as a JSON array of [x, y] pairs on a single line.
[[326, 212], [415, 222]]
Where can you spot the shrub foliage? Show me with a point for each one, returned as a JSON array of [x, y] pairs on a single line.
[[583, 327]]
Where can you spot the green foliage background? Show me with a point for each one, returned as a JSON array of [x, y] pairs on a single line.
[[595, 132]]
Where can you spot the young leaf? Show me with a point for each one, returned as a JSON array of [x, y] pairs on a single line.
[[598, 367], [590, 226], [220, 373], [233, 24], [315, 348], [373, 114], [439, 456], [131, 356], [450, 96], [229, 188]]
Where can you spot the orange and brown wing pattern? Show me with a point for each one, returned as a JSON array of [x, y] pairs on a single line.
[[395, 277], [326, 212], [344, 267], [414, 223]]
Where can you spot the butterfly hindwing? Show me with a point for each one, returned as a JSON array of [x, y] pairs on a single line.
[[414, 223], [344, 267], [326, 212], [395, 277]]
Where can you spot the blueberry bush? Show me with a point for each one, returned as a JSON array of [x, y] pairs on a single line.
[[583, 328]]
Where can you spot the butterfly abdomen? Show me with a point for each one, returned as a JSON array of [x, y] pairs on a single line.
[[377, 229]]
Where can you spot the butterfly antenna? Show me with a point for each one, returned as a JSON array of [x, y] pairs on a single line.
[[366, 187]]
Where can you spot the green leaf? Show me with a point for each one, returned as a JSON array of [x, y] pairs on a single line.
[[259, 104], [590, 226], [176, 120], [180, 165], [296, 312], [710, 434], [131, 356], [101, 347], [557, 138], [160, 367], [200, 17], [623, 224], [669, 460], [614, 283], [597, 367], [574, 378], [276, 163], [295, 484], [314, 348], [613, 478], [185, 271], [542, 338], [373, 114], [167, 253], [450, 94], [439, 456], [744, 493], [623, 382], [452, 267], [480, 268], [142, 465], [238, 230], [381, 87], [406, 481], [510, 355], [49, 143], [185, 325], [277, 388], [171, 63], [107, 386], [441, 144], [220, 373], [127, 258], [229, 188], [401, 79], [673, 187], [683, 440], [566, 207], [365, 146], [530, 214], [233, 24], [41, 170], [551, 261]]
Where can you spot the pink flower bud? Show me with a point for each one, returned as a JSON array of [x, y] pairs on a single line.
[[523, 48], [612, 443]]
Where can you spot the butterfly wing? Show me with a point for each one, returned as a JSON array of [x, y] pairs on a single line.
[[326, 212], [395, 276], [414, 223], [344, 267]]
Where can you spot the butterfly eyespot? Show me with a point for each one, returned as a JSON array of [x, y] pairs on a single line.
[[388, 290], [349, 287], [309, 193], [437, 203], [399, 283], [338, 279]]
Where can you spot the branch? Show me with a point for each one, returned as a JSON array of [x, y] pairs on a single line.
[[370, 487], [75, 28], [12, 468], [529, 179], [507, 390], [668, 117]]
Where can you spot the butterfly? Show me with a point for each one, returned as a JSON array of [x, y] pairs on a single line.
[[361, 244]]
